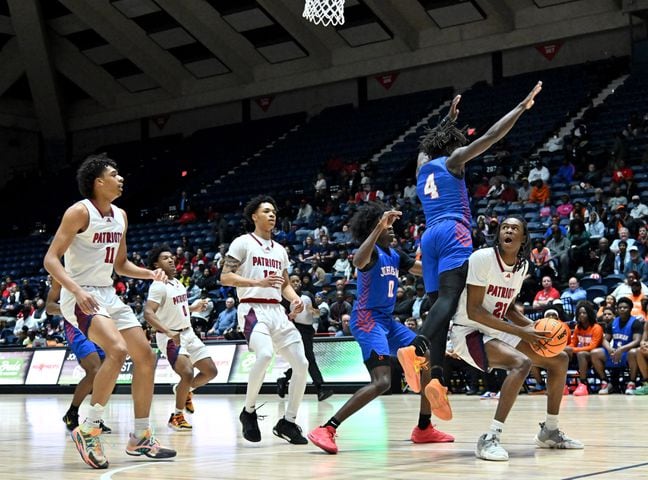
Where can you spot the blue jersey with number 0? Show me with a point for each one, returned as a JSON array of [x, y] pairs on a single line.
[[443, 196], [377, 286]]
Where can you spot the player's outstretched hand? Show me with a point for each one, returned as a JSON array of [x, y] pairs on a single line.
[[529, 101], [388, 218], [454, 111]]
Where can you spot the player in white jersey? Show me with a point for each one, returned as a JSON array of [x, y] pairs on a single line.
[[257, 267], [489, 331], [92, 237], [168, 311]]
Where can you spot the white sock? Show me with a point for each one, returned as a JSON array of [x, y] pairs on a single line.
[[141, 426], [178, 411], [95, 415], [551, 423], [496, 428]]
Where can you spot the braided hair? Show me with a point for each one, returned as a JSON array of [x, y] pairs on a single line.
[[443, 139], [525, 247]]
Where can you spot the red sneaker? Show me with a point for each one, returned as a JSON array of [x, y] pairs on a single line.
[[324, 438], [581, 390], [566, 390], [412, 365], [430, 435], [437, 395]]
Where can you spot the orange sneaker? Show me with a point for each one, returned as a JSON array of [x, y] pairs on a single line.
[[189, 406], [437, 395], [412, 365], [430, 435]]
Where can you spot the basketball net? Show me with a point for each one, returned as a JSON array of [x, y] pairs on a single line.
[[324, 12]]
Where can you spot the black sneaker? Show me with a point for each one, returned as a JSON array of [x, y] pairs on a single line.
[[282, 386], [104, 428], [289, 431], [71, 420], [251, 430], [323, 395]]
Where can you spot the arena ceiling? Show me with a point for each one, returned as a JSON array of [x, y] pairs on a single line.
[[74, 64]]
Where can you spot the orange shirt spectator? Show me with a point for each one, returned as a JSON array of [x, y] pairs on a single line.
[[586, 339], [540, 193]]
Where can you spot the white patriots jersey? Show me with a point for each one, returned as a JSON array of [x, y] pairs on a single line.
[[502, 285], [259, 258], [90, 257], [173, 311]]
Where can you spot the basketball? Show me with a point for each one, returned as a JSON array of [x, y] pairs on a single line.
[[556, 342]]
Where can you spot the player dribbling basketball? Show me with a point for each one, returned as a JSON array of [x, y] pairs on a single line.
[[490, 332]]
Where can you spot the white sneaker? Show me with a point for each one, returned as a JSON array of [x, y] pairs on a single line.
[[605, 388], [489, 448], [630, 388], [556, 439]]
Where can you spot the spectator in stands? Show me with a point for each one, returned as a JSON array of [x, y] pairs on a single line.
[[599, 203], [344, 239], [555, 220], [321, 304], [409, 191], [559, 246], [510, 193], [320, 184], [540, 192], [617, 199], [592, 177], [307, 283], [199, 257], [539, 172], [637, 297], [403, 305], [478, 238], [327, 253], [546, 295], [637, 263], [622, 257], [541, 260], [339, 308], [342, 265], [309, 252], [602, 259], [523, 191], [226, 319], [345, 329], [579, 212], [319, 231], [565, 208], [482, 189], [595, 227], [621, 336], [641, 355], [368, 194], [555, 143], [304, 214], [642, 240], [201, 319], [566, 171], [578, 253], [317, 273], [421, 303], [639, 210], [587, 336], [193, 290], [622, 173], [13, 303], [623, 289], [574, 291], [494, 193], [185, 276], [624, 236]]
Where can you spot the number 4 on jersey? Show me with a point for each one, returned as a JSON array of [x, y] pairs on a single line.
[[430, 187]]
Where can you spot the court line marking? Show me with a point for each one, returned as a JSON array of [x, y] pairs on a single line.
[[603, 472]]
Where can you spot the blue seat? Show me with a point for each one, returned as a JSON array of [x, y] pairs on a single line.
[[587, 282], [596, 291]]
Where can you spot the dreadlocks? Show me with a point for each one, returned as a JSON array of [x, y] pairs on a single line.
[[365, 220], [443, 139], [525, 247]]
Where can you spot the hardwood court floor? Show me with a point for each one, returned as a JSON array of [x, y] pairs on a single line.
[[374, 443]]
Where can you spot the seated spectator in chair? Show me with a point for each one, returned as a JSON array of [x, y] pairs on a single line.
[[616, 200], [565, 208], [559, 247], [622, 173], [637, 297], [226, 319], [200, 320], [345, 330], [555, 220], [602, 259], [304, 214], [641, 354], [624, 236], [309, 252], [317, 273], [510, 193], [642, 240], [541, 259], [580, 212], [637, 264], [540, 193], [574, 292], [608, 302], [547, 295], [566, 171], [539, 172], [523, 191], [578, 253], [421, 303], [342, 266], [624, 289], [621, 258], [403, 306], [595, 227], [638, 209], [587, 336], [327, 253], [621, 336]]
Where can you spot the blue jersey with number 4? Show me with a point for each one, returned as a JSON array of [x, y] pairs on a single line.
[[443, 196], [377, 285]]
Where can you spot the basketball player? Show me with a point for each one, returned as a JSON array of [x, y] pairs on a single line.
[[92, 236], [168, 311], [490, 332], [373, 324], [87, 354], [446, 243], [257, 267]]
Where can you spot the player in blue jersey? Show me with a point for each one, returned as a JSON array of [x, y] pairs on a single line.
[[373, 324], [88, 354], [446, 243]]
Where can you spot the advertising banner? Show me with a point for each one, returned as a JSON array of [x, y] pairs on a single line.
[[14, 367], [45, 367]]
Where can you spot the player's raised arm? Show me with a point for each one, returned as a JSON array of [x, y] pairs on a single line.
[[462, 155]]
